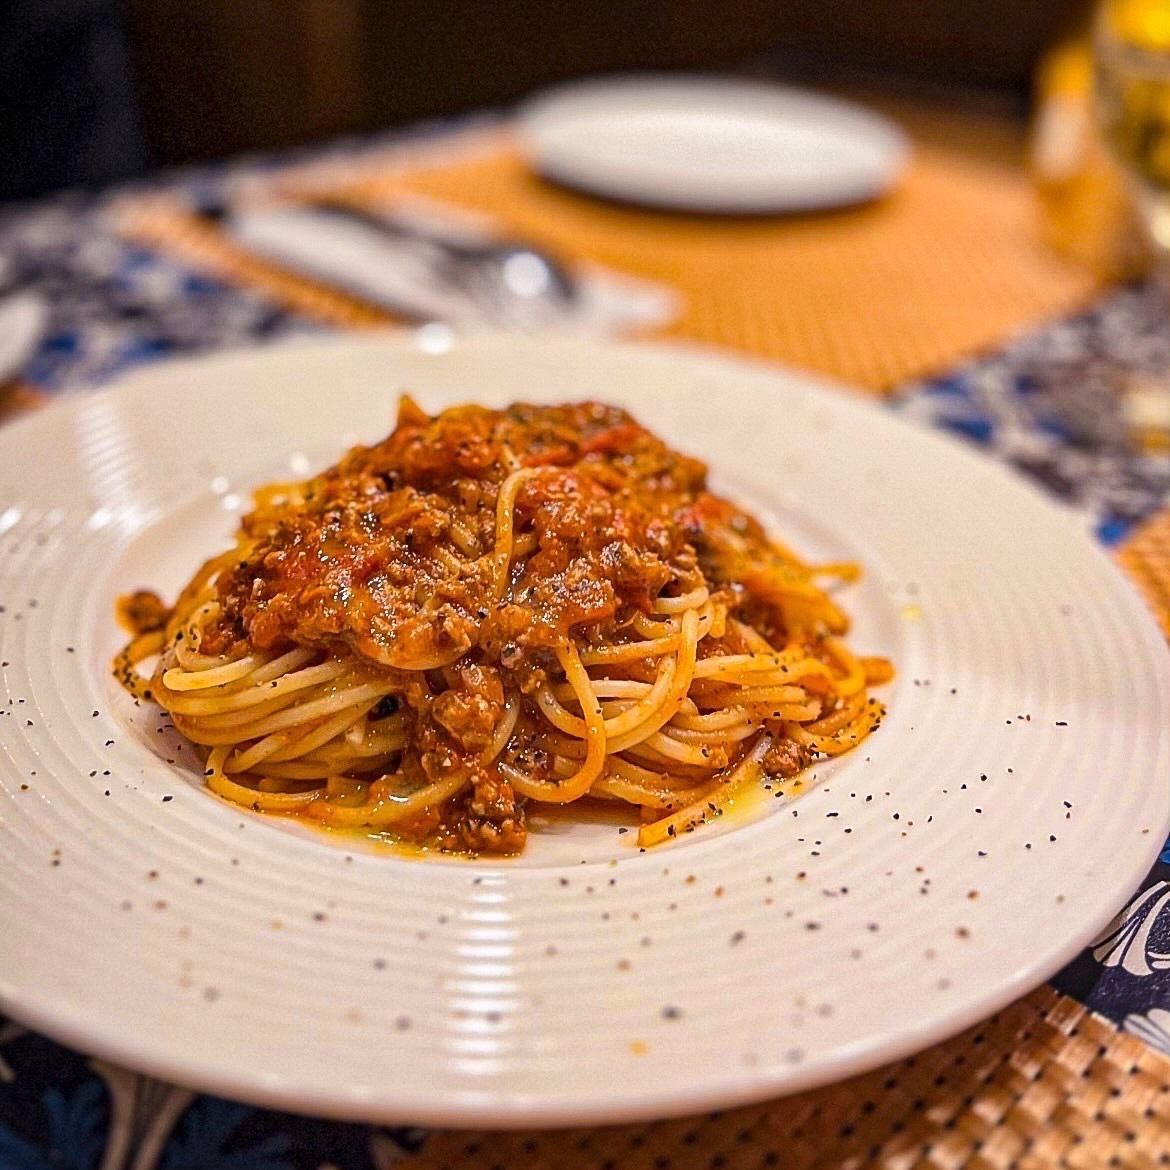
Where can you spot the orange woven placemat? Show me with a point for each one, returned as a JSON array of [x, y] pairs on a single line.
[[951, 263]]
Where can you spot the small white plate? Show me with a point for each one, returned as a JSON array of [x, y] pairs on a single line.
[[711, 144], [1013, 798]]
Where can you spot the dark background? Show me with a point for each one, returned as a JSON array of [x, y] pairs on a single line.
[[93, 90]]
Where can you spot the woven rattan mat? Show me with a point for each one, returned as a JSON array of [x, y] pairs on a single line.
[[1042, 1084], [950, 264]]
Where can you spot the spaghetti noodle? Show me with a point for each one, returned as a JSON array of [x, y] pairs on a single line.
[[491, 609]]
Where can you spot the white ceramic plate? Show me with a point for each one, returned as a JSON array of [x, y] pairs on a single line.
[[711, 144], [1014, 797]]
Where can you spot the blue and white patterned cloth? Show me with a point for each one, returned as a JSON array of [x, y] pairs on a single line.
[[1049, 405], [1046, 405], [113, 305]]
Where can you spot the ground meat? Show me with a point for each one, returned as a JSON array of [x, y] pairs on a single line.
[[142, 611], [786, 758], [472, 708], [485, 819]]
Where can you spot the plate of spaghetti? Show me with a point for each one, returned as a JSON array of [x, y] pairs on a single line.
[[542, 731]]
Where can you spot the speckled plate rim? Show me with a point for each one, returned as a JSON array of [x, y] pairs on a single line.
[[70, 1023]]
